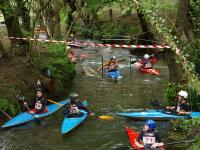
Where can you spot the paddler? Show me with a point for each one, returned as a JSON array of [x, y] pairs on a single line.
[[149, 138], [112, 64], [39, 104], [146, 62], [182, 107], [72, 38], [72, 109]]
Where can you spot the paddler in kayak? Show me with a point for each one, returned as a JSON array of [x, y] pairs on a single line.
[[72, 109], [182, 107], [39, 104], [149, 138], [112, 64], [146, 62]]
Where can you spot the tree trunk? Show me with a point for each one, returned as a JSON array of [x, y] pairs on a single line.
[[11, 19], [13, 26], [57, 27], [70, 19], [47, 18], [24, 13], [175, 71], [182, 21], [3, 53], [147, 37]]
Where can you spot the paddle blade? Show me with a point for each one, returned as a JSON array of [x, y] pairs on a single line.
[[106, 117]]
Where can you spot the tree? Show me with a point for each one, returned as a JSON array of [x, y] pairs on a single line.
[[183, 24]]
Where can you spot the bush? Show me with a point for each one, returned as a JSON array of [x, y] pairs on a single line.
[[189, 127]]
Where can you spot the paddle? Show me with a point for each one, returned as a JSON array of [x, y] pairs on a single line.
[[21, 98], [5, 113], [171, 143], [103, 117], [55, 102], [106, 64], [156, 103]]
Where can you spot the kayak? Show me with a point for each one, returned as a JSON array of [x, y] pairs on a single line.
[[133, 135], [75, 44], [114, 75], [27, 117], [70, 123], [149, 71], [156, 114]]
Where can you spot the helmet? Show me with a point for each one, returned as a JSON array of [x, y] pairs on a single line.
[[39, 89], [151, 124], [71, 35], [184, 94], [73, 96], [113, 58], [146, 56]]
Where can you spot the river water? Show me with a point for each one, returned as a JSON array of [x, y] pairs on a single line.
[[105, 97]]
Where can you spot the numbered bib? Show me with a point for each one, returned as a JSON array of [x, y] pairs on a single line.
[[148, 65], [178, 108], [149, 140], [74, 110], [38, 105]]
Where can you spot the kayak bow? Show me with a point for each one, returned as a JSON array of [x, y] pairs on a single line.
[[70, 123]]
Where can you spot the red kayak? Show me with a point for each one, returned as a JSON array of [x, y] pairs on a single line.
[[133, 135], [149, 71]]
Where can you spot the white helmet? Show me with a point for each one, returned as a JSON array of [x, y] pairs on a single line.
[[184, 94], [146, 56], [113, 57]]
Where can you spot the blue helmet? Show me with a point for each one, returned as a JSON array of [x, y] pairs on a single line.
[[151, 124]]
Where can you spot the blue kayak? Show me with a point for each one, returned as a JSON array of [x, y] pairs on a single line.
[[70, 123], [114, 75], [27, 117], [156, 114]]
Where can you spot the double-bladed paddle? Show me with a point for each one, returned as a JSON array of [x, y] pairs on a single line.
[[171, 143], [156, 103], [103, 117]]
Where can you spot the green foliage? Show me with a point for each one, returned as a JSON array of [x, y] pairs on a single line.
[[195, 146], [189, 127], [8, 101], [57, 62], [195, 17], [8, 106], [170, 92]]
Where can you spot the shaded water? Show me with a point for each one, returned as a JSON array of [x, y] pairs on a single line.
[[105, 97]]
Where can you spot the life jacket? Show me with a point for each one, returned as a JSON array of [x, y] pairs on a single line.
[[112, 66], [180, 107], [39, 105], [147, 63], [73, 109], [149, 138]]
